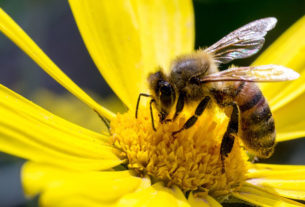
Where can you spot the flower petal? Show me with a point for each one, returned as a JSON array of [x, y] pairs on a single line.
[[28, 131], [22, 40], [208, 201], [129, 39], [259, 197], [72, 109], [290, 122], [78, 201], [57, 184], [155, 195], [288, 181]]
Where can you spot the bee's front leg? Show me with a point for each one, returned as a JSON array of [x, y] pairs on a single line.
[[179, 105]]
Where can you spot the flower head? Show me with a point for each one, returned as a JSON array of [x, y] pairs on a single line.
[[135, 165], [190, 160]]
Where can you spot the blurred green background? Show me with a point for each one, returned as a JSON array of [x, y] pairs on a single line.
[[50, 23]]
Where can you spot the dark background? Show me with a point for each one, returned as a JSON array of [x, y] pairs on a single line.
[[51, 25]]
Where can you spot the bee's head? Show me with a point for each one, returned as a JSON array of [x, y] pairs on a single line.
[[163, 92]]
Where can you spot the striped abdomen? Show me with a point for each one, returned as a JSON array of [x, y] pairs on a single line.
[[257, 128]]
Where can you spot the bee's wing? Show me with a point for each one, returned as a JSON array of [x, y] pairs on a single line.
[[243, 42], [262, 73]]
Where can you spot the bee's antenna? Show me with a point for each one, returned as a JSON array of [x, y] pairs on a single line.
[[138, 102], [150, 107]]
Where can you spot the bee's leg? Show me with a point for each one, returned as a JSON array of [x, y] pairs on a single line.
[[151, 113], [105, 120], [138, 102], [179, 105], [199, 110], [228, 138]]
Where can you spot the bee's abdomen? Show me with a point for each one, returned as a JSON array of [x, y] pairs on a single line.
[[257, 128]]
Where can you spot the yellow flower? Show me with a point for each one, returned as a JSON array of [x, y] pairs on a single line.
[[135, 166]]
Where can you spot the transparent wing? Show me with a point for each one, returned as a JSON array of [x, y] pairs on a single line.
[[262, 73], [243, 42]]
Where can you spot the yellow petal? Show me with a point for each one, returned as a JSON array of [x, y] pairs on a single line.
[[129, 39], [289, 120], [71, 108], [22, 40], [155, 195], [57, 184], [288, 50], [259, 197], [28, 131], [259, 169], [288, 181], [208, 201], [78, 201]]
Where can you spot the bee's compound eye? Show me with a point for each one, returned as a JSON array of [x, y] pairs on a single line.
[[166, 89], [167, 94], [195, 80]]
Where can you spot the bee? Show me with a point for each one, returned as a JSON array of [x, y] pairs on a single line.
[[196, 78]]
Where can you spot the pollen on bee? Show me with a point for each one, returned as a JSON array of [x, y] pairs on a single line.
[[190, 159]]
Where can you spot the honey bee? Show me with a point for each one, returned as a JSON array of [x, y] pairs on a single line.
[[196, 78]]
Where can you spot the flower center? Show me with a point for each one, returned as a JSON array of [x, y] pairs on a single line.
[[190, 159]]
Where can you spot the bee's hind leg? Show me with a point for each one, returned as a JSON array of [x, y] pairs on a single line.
[[192, 120], [228, 138]]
